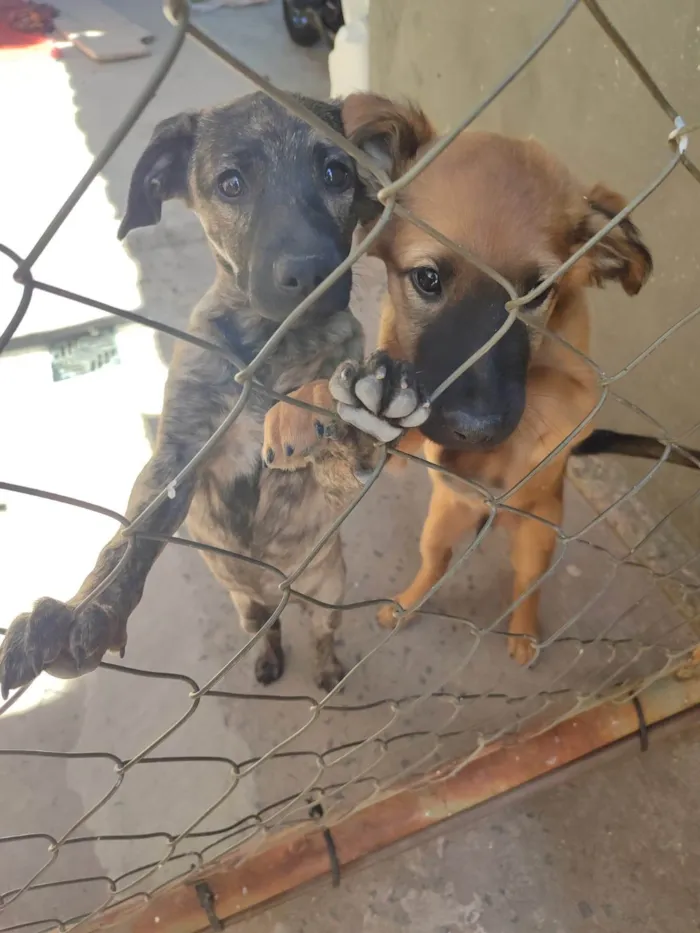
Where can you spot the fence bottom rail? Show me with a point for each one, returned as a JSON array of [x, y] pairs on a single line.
[[242, 881]]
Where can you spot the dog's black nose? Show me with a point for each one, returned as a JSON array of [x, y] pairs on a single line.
[[456, 428], [298, 276]]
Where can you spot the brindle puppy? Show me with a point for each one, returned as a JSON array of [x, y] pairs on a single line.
[[278, 204]]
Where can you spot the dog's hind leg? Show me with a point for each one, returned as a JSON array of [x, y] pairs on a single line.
[[326, 621], [269, 665]]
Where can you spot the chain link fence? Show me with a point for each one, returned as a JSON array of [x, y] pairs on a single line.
[[308, 783]]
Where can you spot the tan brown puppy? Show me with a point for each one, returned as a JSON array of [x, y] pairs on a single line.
[[518, 209]]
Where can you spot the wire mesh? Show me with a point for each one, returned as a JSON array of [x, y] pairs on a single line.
[[388, 741]]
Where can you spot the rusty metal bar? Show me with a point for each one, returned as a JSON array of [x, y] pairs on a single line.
[[240, 883]]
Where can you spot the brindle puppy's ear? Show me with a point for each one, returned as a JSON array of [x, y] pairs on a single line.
[[160, 173], [621, 255], [388, 132]]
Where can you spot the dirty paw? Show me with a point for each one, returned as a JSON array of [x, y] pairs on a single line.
[[269, 665], [388, 617], [53, 637], [329, 675], [380, 396], [292, 434], [522, 648]]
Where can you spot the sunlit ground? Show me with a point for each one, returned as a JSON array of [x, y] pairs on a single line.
[[84, 436]]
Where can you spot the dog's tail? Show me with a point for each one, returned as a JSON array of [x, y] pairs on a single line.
[[633, 445]]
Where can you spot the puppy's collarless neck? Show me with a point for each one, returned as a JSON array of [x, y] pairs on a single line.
[[245, 331], [235, 338]]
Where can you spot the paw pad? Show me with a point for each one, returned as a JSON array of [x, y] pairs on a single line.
[[382, 397]]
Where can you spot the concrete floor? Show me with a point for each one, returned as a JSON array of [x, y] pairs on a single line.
[[616, 850]]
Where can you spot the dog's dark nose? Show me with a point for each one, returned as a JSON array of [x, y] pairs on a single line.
[[298, 276], [461, 429]]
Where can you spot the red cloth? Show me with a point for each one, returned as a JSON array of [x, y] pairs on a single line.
[[26, 16]]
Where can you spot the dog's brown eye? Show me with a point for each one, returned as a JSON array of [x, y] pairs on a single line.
[[426, 280], [336, 175], [230, 184]]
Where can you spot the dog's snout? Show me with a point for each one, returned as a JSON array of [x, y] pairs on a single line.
[[461, 428], [292, 254], [298, 276], [280, 284], [482, 407]]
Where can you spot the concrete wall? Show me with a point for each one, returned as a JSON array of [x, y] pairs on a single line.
[[582, 100]]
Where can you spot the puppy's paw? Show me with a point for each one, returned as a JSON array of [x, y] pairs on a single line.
[[292, 434], [522, 648], [55, 638], [269, 665], [381, 397], [388, 616], [329, 675]]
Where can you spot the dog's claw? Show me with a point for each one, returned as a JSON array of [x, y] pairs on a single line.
[[54, 637], [341, 383]]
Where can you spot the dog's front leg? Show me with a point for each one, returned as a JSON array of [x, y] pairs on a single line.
[[533, 541], [449, 517], [69, 639]]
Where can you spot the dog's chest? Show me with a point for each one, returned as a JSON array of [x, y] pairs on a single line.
[[243, 506], [292, 515], [270, 514]]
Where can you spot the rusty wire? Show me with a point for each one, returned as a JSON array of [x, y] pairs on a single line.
[[560, 698]]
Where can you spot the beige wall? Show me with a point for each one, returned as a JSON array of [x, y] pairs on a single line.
[[581, 98]]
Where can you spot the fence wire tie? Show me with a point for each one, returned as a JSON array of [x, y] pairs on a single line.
[[643, 725], [316, 812], [207, 900]]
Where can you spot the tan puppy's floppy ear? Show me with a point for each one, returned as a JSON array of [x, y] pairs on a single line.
[[391, 133], [621, 255]]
